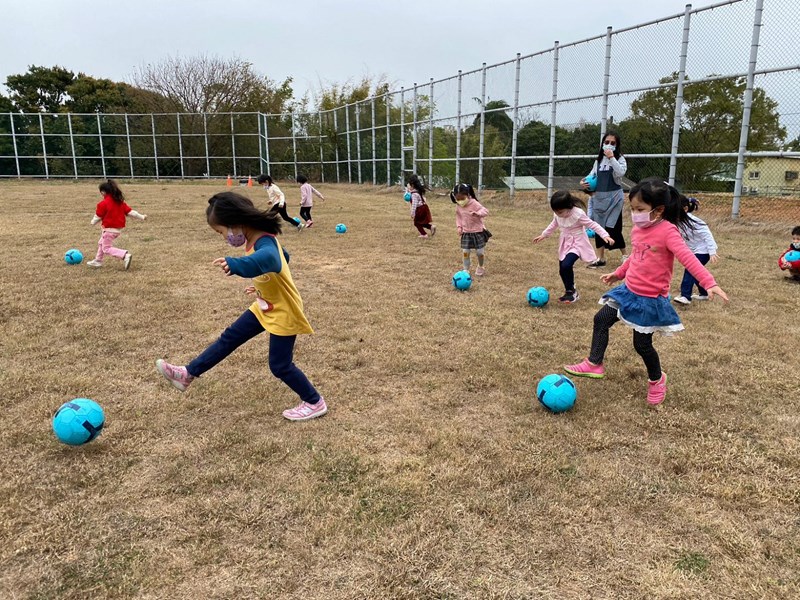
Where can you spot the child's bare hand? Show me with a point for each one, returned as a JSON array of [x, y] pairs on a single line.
[[222, 264], [538, 239], [714, 259], [717, 291], [608, 241], [784, 263], [609, 278], [250, 290]]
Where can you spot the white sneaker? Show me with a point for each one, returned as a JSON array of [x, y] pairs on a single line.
[[126, 260], [681, 300], [699, 297], [433, 230], [94, 263]]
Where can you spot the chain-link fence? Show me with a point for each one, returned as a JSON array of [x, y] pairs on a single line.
[[708, 98]]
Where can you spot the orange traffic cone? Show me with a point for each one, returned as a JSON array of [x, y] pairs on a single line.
[[249, 181], [230, 183]]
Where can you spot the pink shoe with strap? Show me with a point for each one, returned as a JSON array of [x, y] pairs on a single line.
[[657, 390], [305, 411], [586, 369], [177, 376]]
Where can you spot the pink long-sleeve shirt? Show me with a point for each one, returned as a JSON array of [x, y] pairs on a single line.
[[648, 271], [307, 192], [573, 236], [469, 218]]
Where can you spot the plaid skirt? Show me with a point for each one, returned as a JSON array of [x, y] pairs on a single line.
[[475, 241]]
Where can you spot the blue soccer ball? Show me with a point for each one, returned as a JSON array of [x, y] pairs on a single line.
[[73, 257], [556, 393], [78, 421], [407, 196], [341, 228], [590, 233], [538, 296], [592, 181], [791, 256], [462, 280]]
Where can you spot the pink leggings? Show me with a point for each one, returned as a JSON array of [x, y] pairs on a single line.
[[106, 246]]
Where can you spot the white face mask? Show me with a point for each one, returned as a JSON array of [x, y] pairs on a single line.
[[796, 245], [611, 147]]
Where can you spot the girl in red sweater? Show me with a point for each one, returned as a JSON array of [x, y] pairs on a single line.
[[641, 302], [112, 210]]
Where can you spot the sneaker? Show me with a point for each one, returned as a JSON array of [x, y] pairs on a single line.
[[569, 297], [625, 257], [424, 236], [699, 296], [657, 390], [300, 226], [94, 263], [596, 264], [433, 230], [126, 260], [305, 411], [177, 376], [480, 271], [309, 224], [586, 369], [681, 300]]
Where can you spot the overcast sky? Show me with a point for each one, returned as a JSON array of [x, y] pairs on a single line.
[[311, 41]]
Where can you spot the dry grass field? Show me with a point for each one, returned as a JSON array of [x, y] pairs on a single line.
[[435, 473]]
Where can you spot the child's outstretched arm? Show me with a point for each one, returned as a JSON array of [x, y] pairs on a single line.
[[137, 215], [678, 247], [95, 220], [548, 231], [264, 260], [597, 228], [316, 193]]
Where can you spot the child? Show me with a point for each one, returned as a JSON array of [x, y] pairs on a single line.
[[702, 244], [641, 302], [794, 266], [469, 222], [420, 212], [112, 210], [573, 243], [278, 201], [307, 199], [278, 308]]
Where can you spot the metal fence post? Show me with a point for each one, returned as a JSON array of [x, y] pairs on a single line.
[[414, 131], [402, 133], [155, 146], [294, 144], [388, 140], [458, 132], [44, 146], [16, 151], [748, 103], [205, 140], [551, 160], [260, 144], [180, 143], [515, 130], [266, 144], [358, 141], [233, 146], [374, 174], [128, 137], [321, 143], [347, 133], [430, 135], [676, 124], [336, 145], [606, 81], [102, 152], [71, 144], [481, 139]]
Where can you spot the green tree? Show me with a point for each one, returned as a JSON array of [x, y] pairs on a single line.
[[40, 89]]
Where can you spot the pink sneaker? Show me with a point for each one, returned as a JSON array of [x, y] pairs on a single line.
[[177, 376], [424, 236], [657, 390], [480, 271], [586, 369], [305, 411]]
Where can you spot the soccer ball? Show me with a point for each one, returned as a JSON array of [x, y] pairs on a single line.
[[538, 296], [78, 421], [791, 256], [462, 280], [73, 257], [590, 233], [556, 393], [341, 228], [407, 196], [592, 181]]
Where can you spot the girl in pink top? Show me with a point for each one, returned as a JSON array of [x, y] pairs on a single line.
[[573, 243], [469, 222], [307, 193], [641, 302]]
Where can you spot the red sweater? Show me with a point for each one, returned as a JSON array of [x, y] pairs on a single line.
[[794, 265], [112, 213], [648, 271]]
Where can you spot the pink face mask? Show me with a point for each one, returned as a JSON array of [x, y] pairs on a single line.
[[642, 219]]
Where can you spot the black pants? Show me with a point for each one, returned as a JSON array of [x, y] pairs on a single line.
[[616, 234], [305, 213], [642, 342], [281, 210], [566, 272]]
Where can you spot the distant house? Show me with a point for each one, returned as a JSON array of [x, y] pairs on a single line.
[[772, 176], [539, 182]]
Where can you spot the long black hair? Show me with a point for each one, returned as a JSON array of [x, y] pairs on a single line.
[[230, 209], [110, 188], [415, 182], [460, 189], [562, 200], [617, 149], [655, 192]]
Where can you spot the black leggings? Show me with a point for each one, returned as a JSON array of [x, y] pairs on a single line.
[[305, 213], [281, 210], [615, 232], [566, 272], [642, 342]]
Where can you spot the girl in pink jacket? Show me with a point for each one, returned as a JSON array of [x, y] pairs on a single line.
[[573, 244], [469, 222]]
